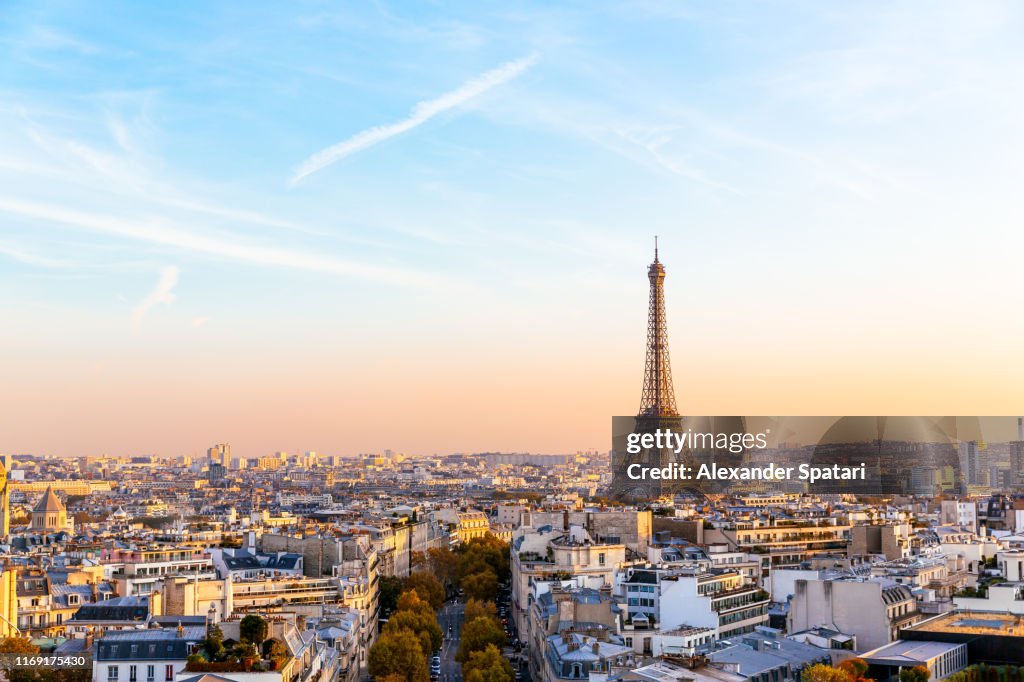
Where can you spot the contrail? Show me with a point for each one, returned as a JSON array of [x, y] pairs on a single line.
[[421, 113]]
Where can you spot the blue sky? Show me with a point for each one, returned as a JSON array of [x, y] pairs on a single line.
[[836, 186]]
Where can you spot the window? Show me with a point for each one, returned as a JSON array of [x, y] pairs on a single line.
[[112, 672], [169, 673], [150, 673], [600, 558], [133, 673]]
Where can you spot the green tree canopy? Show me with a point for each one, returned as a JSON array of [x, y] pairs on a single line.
[[275, 650], [390, 588], [213, 645], [253, 629]]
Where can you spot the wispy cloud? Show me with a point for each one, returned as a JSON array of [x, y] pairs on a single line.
[[163, 293], [200, 321], [15, 253], [421, 113], [173, 235]]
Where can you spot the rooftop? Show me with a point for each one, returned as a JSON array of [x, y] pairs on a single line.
[[910, 653], [974, 622]]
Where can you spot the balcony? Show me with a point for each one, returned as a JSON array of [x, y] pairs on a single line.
[[759, 598]]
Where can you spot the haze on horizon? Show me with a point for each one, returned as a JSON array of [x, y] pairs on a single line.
[[427, 228]]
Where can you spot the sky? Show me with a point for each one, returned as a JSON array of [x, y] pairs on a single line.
[[346, 227]]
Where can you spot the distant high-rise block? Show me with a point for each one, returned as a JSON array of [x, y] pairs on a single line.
[[219, 454]]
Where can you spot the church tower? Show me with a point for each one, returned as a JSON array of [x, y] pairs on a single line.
[[50, 515]]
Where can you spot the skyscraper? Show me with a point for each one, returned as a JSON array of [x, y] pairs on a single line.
[[219, 454]]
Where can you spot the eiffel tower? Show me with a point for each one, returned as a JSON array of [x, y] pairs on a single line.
[[658, 400]]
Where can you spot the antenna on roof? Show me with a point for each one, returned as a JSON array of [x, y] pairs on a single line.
[[655, 248]]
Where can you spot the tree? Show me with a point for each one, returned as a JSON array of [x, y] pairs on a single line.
[[22, 645], [213, 645], [487, 551], [824, 673], [410, 600], [479, 609], [17, 645], [428, 587], [477, 634], [482, 586], [487, 666], [443, 563], [419, 622], [398, 653], [856, 668], [253, 629], [918, 673], [390, 588], [275, 650]]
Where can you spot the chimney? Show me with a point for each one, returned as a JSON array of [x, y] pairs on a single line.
[[180, 630], [595, 648]]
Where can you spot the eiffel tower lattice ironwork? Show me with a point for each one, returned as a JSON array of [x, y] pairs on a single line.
[[659, 398]]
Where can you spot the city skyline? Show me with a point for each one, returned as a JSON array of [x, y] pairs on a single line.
[[428, 230]]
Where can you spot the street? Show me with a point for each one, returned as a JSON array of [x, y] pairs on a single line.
[[451, 614]]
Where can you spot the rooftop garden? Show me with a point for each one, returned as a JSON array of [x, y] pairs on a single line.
[[253, 653]]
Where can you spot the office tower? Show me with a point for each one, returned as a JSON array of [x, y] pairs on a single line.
[[970, 462], [219, 454]]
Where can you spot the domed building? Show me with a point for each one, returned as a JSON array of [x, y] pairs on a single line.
[[50, 515]]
